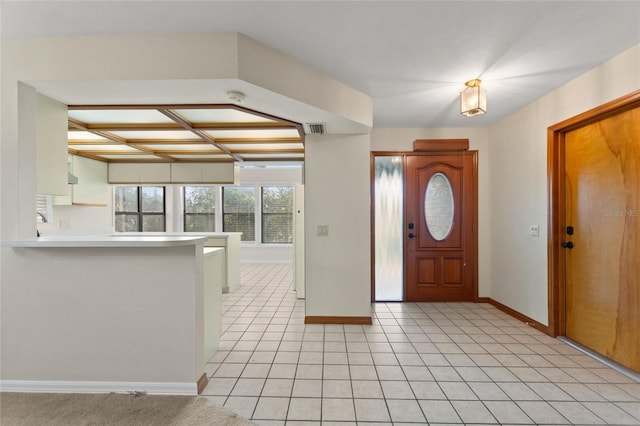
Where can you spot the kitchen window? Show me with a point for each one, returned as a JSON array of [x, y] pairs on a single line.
[[239, 211], [277, 214], [263, 213], [139, 208], [199, 208]]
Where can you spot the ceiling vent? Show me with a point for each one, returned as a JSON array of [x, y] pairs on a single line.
[[316, 129]]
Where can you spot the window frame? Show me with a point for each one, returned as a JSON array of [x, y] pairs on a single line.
[[219, 210], [261, 188], [141, 214], [215, 214], [256, 216]]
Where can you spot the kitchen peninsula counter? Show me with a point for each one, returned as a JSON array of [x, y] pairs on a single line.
[[105, 314], [229, 240], [108, 241]]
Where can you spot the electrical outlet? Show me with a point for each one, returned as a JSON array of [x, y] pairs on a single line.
[[323, 230], [534, 230]]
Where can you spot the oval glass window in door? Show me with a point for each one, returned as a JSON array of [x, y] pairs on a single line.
[[439, 206]]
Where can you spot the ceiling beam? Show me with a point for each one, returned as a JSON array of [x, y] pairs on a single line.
[[268, 159], [189, 152], [177, 160], [269, 151], [175, 126]]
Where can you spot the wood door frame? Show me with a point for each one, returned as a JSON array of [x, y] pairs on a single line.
[[557, 194], [404, 155]]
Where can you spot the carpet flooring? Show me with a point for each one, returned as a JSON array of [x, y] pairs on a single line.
[[34, 409]]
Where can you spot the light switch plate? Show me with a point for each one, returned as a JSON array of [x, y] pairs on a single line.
[[323, 230], [534, 230]]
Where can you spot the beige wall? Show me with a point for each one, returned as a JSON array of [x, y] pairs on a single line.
[[518, 181], [337, 194]]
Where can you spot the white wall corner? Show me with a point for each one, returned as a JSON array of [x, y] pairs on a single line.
[[337, 195], [273, 70]]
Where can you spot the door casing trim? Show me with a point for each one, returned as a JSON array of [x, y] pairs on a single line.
[[556, 194], [404, 154]]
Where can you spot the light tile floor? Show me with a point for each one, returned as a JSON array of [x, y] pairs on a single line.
[[419, 363]]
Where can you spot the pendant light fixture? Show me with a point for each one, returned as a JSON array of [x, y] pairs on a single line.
[[473, 99]]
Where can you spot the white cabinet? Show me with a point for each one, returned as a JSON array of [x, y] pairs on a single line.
[[124, 173], [213, 263], [167, 173], [186, 173], [203, 172], [139, 173], [230, 241], [92, 188], [51, 146], [155, 173]]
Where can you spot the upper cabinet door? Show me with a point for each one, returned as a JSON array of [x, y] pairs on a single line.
[[92, 187], [135, 173], [51, 146]]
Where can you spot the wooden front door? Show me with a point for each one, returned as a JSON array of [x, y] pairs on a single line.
[[602, 238], [440, 209]]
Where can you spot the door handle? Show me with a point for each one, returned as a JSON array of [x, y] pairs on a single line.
[[568, 245], [412, 235]]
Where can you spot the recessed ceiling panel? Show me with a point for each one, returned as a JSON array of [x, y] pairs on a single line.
[[155, 134], [132, 157], [275, 133], [265, 146], [95, 116], [84, 136], [220, 116], [123, 148], [182, 147]]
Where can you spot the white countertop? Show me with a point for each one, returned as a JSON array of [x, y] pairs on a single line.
[[213, 250], [109, 241], [206, 234]]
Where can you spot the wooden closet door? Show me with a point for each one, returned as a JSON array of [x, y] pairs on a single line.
[[602, 178]]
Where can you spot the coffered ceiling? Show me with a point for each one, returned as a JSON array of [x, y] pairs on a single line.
[[182, 133]]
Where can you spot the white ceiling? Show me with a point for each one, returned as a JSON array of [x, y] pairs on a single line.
[[411, 57]]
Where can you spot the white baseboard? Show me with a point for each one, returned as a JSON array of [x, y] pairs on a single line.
[[156, 388]]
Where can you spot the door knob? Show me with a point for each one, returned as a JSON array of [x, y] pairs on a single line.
[[568, 245], [412, 235]]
